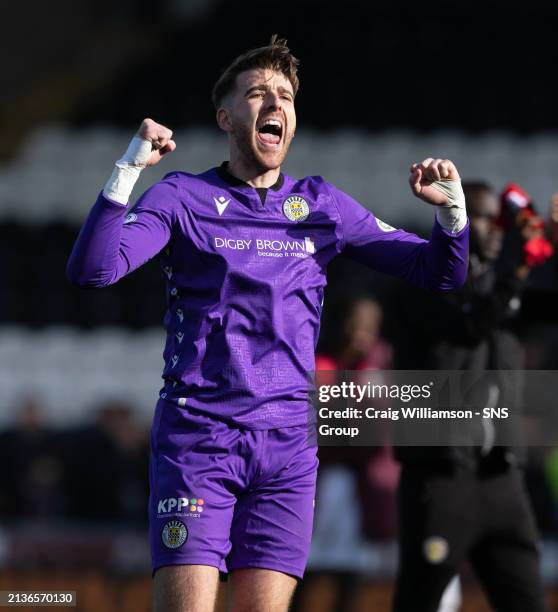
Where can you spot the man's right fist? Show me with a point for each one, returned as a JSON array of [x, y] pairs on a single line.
[[160, 138]]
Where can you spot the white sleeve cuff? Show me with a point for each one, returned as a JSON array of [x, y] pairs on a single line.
[[453, 216], [127, 170]]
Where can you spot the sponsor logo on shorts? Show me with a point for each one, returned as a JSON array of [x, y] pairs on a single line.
[[130, 218], [436, 549], [296, 208], [180, 506], [174, 534]]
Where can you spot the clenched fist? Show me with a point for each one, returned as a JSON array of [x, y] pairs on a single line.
[[147, 148], [160, 138], [427, 173]]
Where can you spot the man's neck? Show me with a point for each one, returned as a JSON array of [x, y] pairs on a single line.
[[252, 176]]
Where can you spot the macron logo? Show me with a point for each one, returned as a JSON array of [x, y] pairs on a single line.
[[221, 204]]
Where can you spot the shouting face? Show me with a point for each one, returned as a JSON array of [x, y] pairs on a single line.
[[260, 119]]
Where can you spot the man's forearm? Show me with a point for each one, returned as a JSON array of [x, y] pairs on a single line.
[[445, 259], [94, 261], [94, 258], [127, 170], [102, 254], [453, 216]]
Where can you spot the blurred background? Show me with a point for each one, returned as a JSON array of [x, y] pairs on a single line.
[[382, 85]]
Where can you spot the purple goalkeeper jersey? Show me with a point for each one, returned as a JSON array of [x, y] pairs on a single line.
[[245, 276]]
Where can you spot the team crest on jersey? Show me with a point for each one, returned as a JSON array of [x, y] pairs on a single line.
[[174, 534], [436, 549], [130, 218], [385, 227], [295, 208]]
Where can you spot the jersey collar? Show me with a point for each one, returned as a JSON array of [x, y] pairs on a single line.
[[234, 181]]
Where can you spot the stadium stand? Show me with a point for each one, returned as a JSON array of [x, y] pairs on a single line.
[[59, 171]]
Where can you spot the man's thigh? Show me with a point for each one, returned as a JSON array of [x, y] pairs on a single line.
[[261, 590], [437, 526], [193, 487], [272, 524], [185, 588]]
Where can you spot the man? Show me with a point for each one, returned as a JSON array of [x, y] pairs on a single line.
[[459, 503], [244, 249]]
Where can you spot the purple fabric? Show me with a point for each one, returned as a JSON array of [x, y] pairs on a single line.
[[245, 288], [253, 492]]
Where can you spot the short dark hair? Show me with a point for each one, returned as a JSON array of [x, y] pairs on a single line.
[[473, 190], [275, 56]]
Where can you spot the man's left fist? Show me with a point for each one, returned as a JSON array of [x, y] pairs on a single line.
[[427, 180]]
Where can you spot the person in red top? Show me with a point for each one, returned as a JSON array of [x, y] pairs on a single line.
[[353, 342], [359, 345]]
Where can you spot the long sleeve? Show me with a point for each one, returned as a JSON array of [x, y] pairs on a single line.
[[112, 244], [438, 264]]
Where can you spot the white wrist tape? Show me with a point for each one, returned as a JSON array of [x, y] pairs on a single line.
[[127, 170], [453, 216]]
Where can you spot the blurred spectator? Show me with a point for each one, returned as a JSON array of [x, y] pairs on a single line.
[[31, 477], [553, 219], [97, 472], [354, 341], [540, 480], [107, 468], [364, 478], [469, 502]]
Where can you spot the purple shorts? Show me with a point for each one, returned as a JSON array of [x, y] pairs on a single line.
[[227, 497]]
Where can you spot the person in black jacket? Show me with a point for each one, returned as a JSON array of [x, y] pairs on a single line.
[[460, 503]]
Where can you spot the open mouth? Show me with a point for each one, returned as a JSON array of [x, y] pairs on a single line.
[[270, 132]]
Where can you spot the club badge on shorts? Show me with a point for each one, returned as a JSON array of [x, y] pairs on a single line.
[[174, 534], [295, 208], [436, 549]]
